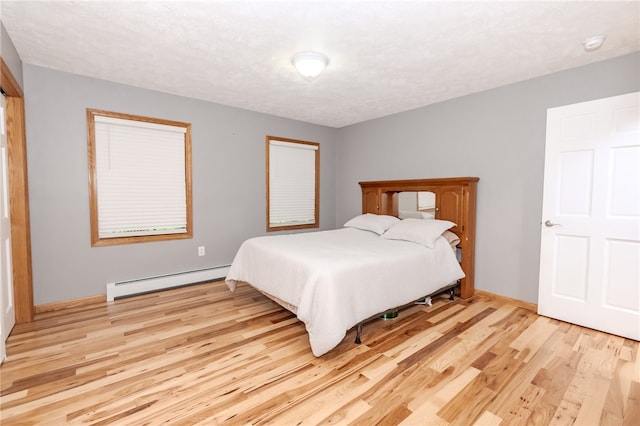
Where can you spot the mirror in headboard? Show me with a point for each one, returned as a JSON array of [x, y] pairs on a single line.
[[442, 203], [417, 204]]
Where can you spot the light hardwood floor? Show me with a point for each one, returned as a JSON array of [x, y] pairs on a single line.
[[204, 355]]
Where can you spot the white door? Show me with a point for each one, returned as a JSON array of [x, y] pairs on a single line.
[[7, 316], [590, 243]]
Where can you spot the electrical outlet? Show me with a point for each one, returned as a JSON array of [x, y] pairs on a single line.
[[201, 251]]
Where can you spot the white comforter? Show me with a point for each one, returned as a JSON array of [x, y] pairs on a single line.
[[339, 278]]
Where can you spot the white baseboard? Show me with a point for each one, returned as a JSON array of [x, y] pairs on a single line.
[[145, 285]]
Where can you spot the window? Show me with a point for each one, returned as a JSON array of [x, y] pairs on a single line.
[[139, 178], [292, 184]]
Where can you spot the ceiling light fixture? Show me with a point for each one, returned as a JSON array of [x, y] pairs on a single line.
[[593, 43], [309, 64]]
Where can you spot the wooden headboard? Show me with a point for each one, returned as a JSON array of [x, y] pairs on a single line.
[[455, 201]]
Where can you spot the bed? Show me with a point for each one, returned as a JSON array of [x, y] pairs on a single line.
[[334, 280]]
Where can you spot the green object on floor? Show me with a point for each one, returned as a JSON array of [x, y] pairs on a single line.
[[390, 314]]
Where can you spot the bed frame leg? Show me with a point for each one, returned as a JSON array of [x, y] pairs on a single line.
[[358, 331], [451, 293]]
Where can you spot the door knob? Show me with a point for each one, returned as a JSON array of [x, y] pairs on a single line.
[[549, 224]]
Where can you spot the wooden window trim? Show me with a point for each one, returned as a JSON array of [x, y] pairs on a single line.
[[96, 241], [316, 223]]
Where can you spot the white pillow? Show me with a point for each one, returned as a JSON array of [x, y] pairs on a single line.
[[451, 238], [406, 214], [415, 214], [377, 223], [419, 231]]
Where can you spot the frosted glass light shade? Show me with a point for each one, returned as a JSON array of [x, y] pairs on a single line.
[[593, 43], [310, 64]]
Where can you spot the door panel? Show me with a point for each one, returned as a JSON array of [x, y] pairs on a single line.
[[576, 175], [621, 267], [590, 236], [450, 205], [625, 179], [371, 201], [570, 275]]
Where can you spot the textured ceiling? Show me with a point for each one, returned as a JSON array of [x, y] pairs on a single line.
[[385, 56]]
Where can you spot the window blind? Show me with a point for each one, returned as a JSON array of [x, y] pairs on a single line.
[[292, 183], [140, 173]]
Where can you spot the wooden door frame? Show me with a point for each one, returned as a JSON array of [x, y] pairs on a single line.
[[19, 197]]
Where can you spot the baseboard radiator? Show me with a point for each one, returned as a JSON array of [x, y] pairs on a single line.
[[162, 282]]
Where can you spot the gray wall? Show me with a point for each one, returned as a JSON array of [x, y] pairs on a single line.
[[498, 136], [10, 55], [228, 182]]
